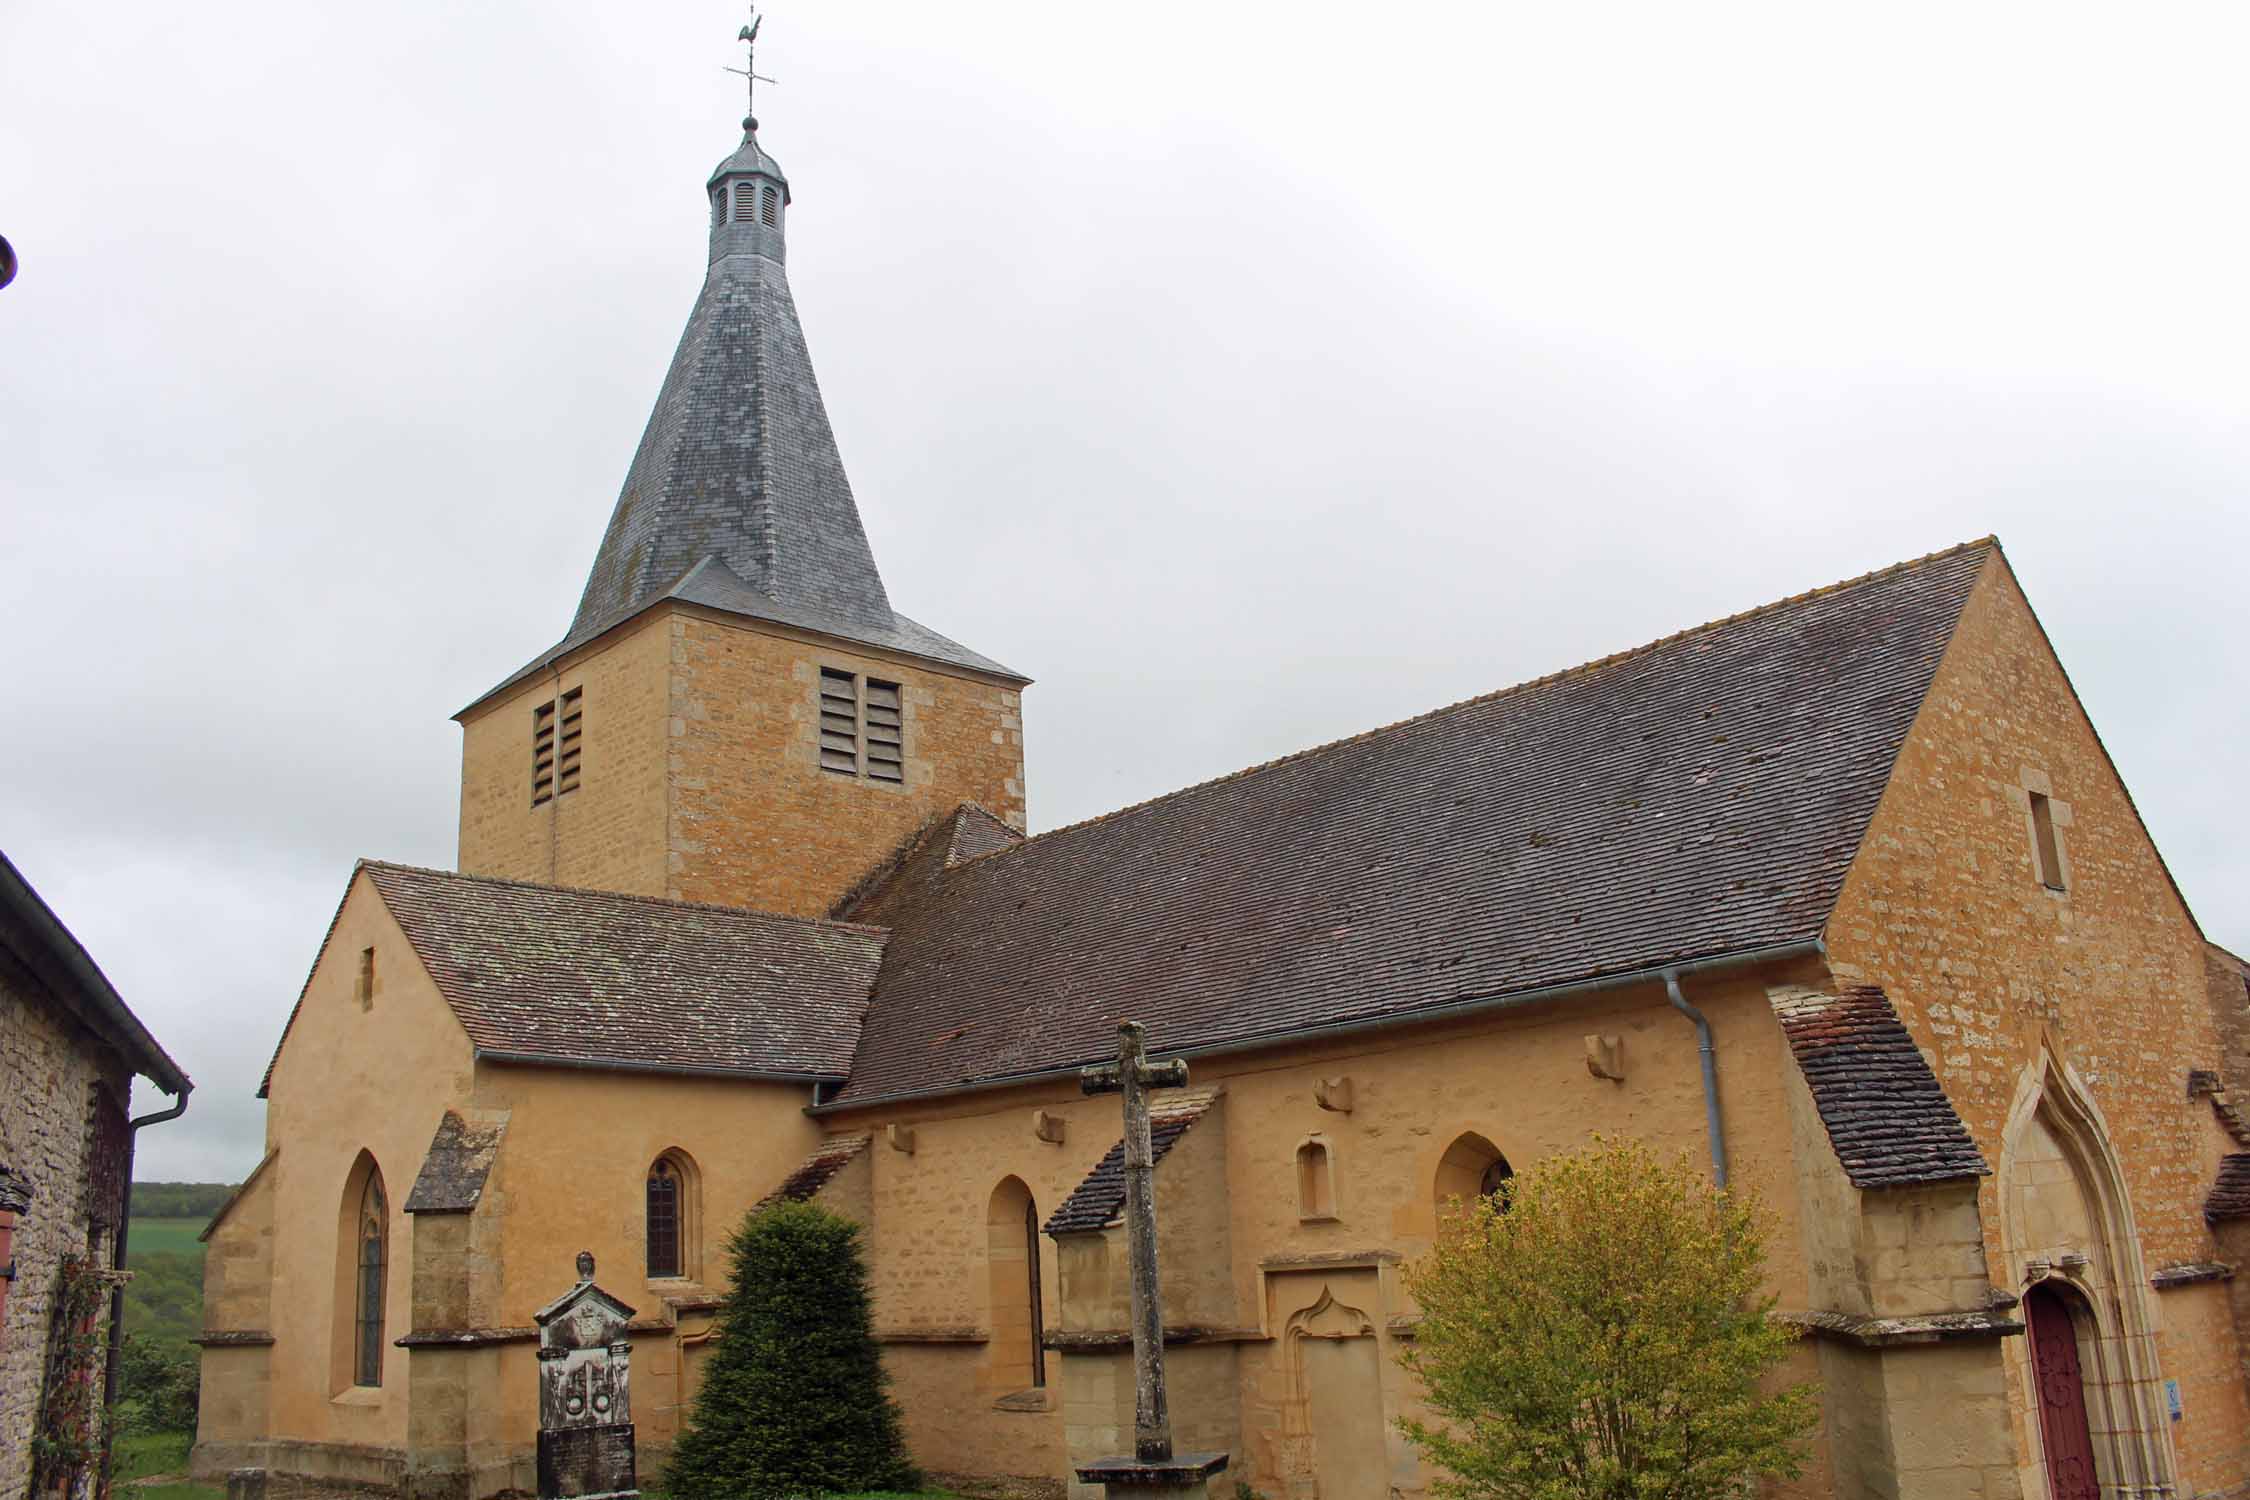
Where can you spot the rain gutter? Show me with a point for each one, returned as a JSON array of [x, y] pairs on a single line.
[[677, 1070], [1468, 1005]]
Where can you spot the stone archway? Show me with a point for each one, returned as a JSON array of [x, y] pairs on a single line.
[[2065, 1219]]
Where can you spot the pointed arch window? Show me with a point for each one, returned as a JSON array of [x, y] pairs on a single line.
[[670, 1198], [373, 1262]]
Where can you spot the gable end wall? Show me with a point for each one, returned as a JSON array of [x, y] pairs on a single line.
[[1944, 908]]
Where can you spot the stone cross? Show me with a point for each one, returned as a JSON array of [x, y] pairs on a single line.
[[1133, 1075]]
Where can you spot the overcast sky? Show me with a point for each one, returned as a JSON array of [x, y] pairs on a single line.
[[1248, 374]]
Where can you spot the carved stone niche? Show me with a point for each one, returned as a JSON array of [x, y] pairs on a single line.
[[585, 1394]]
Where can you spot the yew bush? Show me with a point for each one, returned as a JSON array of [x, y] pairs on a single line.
[[794, 1401], [1599, 1330]]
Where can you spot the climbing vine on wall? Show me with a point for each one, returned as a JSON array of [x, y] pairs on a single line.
[[67, 1444]]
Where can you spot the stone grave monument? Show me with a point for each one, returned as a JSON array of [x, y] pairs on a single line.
[[585, 1396]]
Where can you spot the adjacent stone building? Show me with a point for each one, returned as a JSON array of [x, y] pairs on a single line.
[[69, 1049], [746, 911]]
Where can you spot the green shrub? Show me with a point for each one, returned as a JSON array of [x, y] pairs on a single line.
[[1600, 1331], [794, 1398], [158, 1384]]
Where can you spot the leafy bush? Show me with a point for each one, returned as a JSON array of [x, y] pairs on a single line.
[[1599, 1332], [794, 1399], [158, 1384]]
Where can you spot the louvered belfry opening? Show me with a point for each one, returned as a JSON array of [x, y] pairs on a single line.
[[557, 735], [573, 704], [745, 199], [886, 755], [862, 732], [542, 753], [769, 207]]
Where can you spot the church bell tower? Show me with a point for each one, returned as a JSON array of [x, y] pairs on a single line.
[[736, 713]]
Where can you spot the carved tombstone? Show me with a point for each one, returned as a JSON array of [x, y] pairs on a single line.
[[585, 1396]]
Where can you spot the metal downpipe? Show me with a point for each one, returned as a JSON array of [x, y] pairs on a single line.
[[1711, 1125]]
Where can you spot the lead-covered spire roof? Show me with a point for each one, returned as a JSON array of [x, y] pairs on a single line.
[[737, 498], [738, 462]]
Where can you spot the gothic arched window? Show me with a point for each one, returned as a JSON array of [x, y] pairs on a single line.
[[373, 1261], [673, 1236], [663, 1219]]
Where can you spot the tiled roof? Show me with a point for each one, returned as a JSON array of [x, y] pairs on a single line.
[[540, 973], [913, 872], [2230, 1195], [1887, 1117], [1100, 1196], [815, 1171], [1700, 796]]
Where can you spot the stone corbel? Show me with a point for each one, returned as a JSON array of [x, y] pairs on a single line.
[[901, 1138], [1333, 1094], [1048, 1127]]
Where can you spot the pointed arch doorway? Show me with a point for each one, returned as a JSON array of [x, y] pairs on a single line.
[[2060, 1381]]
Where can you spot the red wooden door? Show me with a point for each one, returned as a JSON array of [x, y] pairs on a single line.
[[2062, 1397]]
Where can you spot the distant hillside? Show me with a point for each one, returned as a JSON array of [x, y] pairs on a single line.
[[178, 1200], [164, 1300]]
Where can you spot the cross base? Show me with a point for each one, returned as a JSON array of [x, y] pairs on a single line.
[[1187, 1477]]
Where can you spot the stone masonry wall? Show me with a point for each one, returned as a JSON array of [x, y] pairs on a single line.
[[1945, 908], [1520, 1082], [608, 834], [701, 775], [49, 1065], [756, 822]]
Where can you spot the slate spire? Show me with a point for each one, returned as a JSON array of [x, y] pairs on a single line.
[[738, 464]]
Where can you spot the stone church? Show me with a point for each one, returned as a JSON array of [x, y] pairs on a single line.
[[1841, 895]]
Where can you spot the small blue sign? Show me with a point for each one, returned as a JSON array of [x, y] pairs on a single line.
[[2172, 1398]]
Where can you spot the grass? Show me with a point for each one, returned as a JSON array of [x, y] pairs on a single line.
[[140, 1454], [160, 1236]]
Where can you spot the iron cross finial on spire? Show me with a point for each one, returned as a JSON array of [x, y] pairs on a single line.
[[751, 77]]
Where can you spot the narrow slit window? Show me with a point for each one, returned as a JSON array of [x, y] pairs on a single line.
[[862, 727], [366, 986], [2043, 835]]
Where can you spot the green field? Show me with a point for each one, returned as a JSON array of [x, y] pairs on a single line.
[[164, 1237]]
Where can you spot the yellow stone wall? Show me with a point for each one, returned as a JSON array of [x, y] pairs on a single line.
[[701, 775], [756, 822], [609, 833], [1521, 1081], [1946, 910], [348, 1079]]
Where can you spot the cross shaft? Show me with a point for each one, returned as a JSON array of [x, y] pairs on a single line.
[[1132, 1075]]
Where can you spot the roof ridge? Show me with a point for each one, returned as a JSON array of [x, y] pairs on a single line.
[[587, 890], [1991, 540]]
